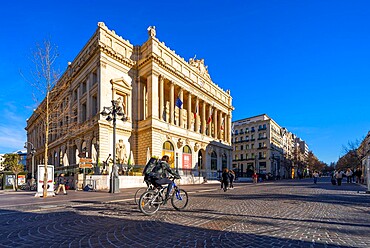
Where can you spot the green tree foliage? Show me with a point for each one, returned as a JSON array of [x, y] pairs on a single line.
[[314, 164], [11, 162]]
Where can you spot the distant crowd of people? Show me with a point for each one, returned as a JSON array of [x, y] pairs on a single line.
[[352, 176]]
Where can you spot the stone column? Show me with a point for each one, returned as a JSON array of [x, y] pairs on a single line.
[[161, 97], [189, 111], [172, 103], [181, 113], [215, 121], [228, 128], [153, 96], [197, 117], [210, 123], [203, 118], [219, 131]]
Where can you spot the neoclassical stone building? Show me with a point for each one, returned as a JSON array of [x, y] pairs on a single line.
[[172, 107]]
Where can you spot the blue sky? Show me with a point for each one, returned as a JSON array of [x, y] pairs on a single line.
[[304, 63]]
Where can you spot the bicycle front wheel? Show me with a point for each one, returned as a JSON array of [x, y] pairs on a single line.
[[138, 193], [179, 199], [149, 202]]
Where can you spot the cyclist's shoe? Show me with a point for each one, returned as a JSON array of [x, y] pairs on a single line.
[[164, 201]]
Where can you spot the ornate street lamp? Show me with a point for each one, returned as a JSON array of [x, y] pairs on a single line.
[[111, 114], [32, 152]]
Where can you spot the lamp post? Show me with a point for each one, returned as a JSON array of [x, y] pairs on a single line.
[[368, 174], [111, 113], [33, 151], [257, 168], [200, 166]]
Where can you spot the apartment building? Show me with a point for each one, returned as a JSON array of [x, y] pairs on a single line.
[[171, 107], [261, 145]]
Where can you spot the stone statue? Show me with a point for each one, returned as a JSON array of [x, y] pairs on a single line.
[[200, 66], [121, 152], [151, 31]]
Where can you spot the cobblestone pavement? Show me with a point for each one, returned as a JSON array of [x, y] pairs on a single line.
[[292, 213]]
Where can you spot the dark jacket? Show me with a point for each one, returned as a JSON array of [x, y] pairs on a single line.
[[61, 180], [225, 177], [162, 170]]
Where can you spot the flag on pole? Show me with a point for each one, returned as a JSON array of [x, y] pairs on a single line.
[[222, 124], [232, 129], [178, 101], [196, 110], [210, 116]]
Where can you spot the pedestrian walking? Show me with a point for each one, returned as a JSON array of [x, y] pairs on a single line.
[[225, 178], [255, 177], [358, 175], [349, 175], [339, 177], [315, 176], [232, 178], [61, 184]]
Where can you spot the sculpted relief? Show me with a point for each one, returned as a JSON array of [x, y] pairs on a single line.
[[199, 65]]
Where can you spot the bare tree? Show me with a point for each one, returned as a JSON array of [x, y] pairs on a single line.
[[352, 155], [44, 78]]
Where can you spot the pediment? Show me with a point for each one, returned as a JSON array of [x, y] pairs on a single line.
[[122, 83]]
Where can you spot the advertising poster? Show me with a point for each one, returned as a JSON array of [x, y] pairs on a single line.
[[21, 179], [186, 161], [40, 181], [9, 180]]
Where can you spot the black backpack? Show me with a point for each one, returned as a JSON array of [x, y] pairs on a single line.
[[148, 169]]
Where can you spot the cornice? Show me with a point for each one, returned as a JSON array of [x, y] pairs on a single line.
[[115, 55]]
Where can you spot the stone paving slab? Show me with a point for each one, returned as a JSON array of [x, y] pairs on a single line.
[[292, 213]]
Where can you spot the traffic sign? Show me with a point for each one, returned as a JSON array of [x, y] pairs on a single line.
[[85, 163]]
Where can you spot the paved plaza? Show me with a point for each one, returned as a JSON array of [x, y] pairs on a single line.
[[286, 213]]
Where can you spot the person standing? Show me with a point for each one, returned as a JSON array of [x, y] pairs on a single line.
[[358, 175], [255, 177], [61, 184], [339, 177], [225, 179], [315, 176], [349, 175], [232, 178]]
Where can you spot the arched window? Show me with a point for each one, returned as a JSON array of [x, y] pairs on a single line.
[[224, 161], [186, 158], [55, 162], [213, 160], [61, 158], [169, 150]]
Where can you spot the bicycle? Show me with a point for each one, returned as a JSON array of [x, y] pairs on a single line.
[[140, 191], [151, 200]]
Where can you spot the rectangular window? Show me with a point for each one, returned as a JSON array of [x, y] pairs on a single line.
[[241, 147], [95, 77], [74, 117], [75, 94], [84, 87], [83, 112], [94, 105]]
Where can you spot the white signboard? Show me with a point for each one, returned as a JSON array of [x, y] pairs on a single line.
[[40, 181]]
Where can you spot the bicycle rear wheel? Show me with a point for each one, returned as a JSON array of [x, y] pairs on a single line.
[[179, 199], [138, 193], [149, 202]]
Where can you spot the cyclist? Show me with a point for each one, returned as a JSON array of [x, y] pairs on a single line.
[[160, 175]]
